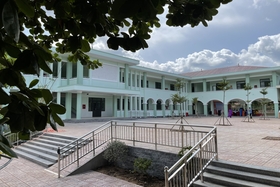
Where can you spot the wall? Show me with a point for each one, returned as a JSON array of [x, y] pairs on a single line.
[[159, 160]]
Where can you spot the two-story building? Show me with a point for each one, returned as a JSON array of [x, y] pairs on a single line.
[[121, 88]]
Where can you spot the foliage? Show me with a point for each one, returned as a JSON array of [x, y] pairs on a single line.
[[141, 165], [71, 26], [183, 151], [177, 98], [223, 85], [115, 151]]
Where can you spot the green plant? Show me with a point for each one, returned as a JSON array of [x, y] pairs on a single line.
[[141, 165], [115, 151], [182, 152]]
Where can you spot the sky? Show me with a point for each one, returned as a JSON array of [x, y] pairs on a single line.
[[245, 32]]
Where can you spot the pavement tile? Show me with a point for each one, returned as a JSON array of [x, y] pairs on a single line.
[[242, 142]]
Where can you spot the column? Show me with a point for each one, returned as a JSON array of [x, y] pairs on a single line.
[[79, 106], [204, 86], [163, 109], [121, 106], [145, 109], [68, 105], [136, 106], [155, 109], [205, 110], [145, 80], [59, 69], [212, 107], [274, 80], [115, 103], [125, 106], [171, 109], [130, 106], [135, 80], [139, 80], [68, 72], [58, 97], [190, 108], [126, 72], [276, 109], [139, 107], [80, 73]]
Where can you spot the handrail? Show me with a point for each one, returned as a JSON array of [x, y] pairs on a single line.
[[186, 170], [154, 133]]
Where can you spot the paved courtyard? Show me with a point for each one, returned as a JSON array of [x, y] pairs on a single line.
[[241, 142]]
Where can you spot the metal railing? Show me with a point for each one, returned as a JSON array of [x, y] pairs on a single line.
[[187, 169], [14, 138], [155, 134]]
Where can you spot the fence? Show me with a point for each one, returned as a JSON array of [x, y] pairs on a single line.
[[155, 134]]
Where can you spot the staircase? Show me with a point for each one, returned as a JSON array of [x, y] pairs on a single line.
[[228, 174], [43, 149]]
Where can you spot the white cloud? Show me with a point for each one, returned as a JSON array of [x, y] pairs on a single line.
[[265, 52]]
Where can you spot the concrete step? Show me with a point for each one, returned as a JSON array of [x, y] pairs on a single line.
[[205, 184], [229, 174], [43, 149], [229, 181], [245, 167], [48, 151], [36, 153], [244, 175], [35, 159]]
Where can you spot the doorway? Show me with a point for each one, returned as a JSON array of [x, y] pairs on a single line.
[[96, 106]]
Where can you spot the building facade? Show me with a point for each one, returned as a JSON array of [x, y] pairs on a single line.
[[121, 88]]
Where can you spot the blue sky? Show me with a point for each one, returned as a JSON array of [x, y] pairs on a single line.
[[245, 32]]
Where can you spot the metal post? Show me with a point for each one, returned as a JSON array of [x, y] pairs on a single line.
[[156, 136], [58, 162], [93, 144], [166, 184], [216, 144], [133, 132], [77, 148], [200, 162]]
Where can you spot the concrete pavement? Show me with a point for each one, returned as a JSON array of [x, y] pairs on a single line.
[[254, 143]]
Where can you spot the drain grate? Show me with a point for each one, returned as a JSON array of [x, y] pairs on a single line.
[[271, 138]]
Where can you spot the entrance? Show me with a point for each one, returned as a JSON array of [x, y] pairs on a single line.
[[96, 106]]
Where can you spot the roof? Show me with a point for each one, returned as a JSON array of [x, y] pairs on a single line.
[[224, 70]]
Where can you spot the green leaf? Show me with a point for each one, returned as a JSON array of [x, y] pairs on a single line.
[[24, 6], [7, 150], [57, 108], [12, 50], [85, 46], [33, 83], [10, 20], [4, 97], [52, 122], [57, 119], [20, 96], [47, 95]]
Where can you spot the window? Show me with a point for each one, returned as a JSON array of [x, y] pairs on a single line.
[[63, 99], [158, 85], [63, 70], [218, 87], [85, 72], [55, 69], [265, 82], [172, 87], [74, 70], [240, 84], [158, 105]]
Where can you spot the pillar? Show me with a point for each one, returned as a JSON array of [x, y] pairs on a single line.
[[58, 97], [145, 109], [121, 106], [205, 110], [115, 103], [126, 71], [79, 106], [204, 86], [162, 83], [80, 73], [274, 80], [68, 72], [163, 109], [145, 80], [68, 105], [155, 110], [276, 109], [125, 106]]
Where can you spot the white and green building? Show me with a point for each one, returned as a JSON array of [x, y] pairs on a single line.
[[121, 88]]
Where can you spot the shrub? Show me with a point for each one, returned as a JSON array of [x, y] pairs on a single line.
[[184, 150], [141, 165], [115, 151]]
